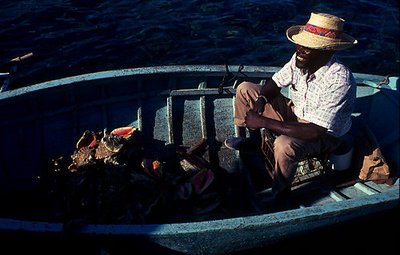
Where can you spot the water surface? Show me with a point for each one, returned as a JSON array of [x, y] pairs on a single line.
[[80, 36]]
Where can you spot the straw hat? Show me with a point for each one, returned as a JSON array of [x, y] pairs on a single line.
[[322, 31]]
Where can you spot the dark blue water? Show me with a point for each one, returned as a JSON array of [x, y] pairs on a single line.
[[80, 36]]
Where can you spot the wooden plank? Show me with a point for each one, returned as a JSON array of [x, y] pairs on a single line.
[[336, 196], [364, 188]]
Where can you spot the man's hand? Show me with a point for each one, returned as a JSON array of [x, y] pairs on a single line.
[[253, 119], [259, 105]]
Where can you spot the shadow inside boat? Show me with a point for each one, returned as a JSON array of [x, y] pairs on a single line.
[[310, 190]]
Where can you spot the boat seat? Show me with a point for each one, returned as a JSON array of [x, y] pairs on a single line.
[[338, 160], [312, 167], [308, 168]]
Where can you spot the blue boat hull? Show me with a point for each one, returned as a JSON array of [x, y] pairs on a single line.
[[177, 105]]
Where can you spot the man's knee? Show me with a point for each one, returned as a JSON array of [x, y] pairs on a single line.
[[246, 85], [283, 147], [286, 147]]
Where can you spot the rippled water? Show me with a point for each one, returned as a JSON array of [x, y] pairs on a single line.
[[80, 36]]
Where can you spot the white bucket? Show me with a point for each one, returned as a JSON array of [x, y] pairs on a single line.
[[341, 158]]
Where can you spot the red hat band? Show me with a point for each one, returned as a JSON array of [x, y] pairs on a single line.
[[325, 32]]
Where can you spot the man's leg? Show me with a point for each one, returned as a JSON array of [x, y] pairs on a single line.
[[246, 95], [288, 151]]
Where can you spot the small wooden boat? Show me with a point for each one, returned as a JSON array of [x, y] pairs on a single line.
[[180, 105]]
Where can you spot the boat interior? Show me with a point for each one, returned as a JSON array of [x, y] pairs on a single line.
[[186, 115]]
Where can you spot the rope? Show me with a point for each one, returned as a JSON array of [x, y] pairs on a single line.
[[229, 77]]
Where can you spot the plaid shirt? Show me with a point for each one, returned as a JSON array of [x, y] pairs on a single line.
[[326, 98]]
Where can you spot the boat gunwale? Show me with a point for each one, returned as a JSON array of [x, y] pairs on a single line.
[[386, 200], [264, 71]]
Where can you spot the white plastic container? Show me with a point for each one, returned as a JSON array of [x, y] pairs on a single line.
[[342, 157]]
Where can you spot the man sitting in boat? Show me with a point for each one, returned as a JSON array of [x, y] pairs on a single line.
[[322, 94]]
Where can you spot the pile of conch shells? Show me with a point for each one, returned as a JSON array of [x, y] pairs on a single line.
[[109, 179]]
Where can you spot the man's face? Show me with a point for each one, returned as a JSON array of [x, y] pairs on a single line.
[[306, 57]]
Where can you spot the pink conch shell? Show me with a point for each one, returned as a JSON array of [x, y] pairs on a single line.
[[152, 167], [88, 138], [82, 157], [125, 132]]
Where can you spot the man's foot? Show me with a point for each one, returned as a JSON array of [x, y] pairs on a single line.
[[234, 143]]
